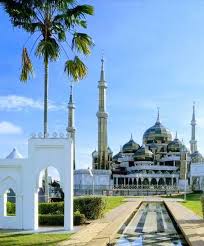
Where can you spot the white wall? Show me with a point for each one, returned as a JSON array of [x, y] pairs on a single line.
[[22, 176]]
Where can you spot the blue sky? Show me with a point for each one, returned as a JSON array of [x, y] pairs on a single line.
[[154, 57]]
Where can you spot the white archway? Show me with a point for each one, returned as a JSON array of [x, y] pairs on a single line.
[[22, 175], [7, 221]]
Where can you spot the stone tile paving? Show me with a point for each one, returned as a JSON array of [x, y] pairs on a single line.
[[99, 232], [191, 225]]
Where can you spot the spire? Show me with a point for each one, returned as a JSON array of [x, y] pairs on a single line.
[[71, 126], [193, 116], [176, 137], [131, 138], [158, 116], [71, 94], [102, 78], [193, 142]]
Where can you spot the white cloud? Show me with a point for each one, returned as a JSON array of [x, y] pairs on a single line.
[[13, 102], [9, 128]]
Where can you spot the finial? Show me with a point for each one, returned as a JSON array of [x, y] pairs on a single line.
[[131, 138], [121, 148], [71, 92], [102, 69], [176, 137], [158, 116], [193, 116], [102, 63]]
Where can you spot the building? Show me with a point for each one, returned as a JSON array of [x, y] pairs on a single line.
[[160, 163]]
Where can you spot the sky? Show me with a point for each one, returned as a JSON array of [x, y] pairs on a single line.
[[154, 57]]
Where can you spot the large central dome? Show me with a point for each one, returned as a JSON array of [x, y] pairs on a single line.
[[157, 134]]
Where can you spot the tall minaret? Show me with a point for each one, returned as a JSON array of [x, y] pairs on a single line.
[[193, 142], [71, 129], [102, 122]]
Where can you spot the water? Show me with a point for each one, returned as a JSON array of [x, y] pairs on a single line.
[[151, 225]]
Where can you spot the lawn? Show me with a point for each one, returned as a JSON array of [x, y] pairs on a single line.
[[192, 202], [12, 239], [113, 202]]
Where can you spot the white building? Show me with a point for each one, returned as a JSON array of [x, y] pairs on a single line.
[[22, 176], [160, 162]]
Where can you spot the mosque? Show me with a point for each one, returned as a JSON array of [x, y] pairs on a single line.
[[161, 162]]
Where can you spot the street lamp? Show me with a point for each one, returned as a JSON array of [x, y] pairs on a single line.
[[185, 187], [91, 174]]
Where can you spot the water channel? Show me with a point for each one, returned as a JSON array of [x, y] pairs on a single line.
[[151, 225]]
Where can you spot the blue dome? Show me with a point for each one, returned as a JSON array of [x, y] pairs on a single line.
[[157, 134], [130, 147]]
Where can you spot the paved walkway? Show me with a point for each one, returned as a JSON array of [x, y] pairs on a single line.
[[191, 225], [101, 231]]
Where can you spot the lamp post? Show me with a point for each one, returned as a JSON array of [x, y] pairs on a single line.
[[185, 187], [91, 174]]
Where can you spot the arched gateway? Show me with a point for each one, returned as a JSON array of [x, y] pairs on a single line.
[[22, 175]]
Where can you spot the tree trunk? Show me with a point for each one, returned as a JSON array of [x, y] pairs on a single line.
[[45, 122], [45, 96]]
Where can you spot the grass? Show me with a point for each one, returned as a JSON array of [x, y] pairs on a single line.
[[14, 239], [113, 202], [192, 202]]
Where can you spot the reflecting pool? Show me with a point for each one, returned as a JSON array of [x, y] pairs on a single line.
[[151, 225]]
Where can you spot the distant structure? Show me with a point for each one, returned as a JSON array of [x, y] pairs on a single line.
[[71, 128], [103, 157], [14, 154], [160, 164], [193, 142]]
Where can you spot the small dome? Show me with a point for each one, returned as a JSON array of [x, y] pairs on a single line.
[[109, 150], [157, 133], [175, 145], [143, 154], [117, 156], [95, 154], [130, 147], [14, 154], [196, 157]]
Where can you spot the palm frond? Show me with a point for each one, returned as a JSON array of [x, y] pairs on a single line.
[[48, 49], [75, 69], [82, 43], [75, 16], [27, 67]]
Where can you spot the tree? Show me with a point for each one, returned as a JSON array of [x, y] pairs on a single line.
[[56, 23]]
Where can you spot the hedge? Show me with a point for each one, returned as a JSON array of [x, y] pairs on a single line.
[[92, 207], [79, 218], [11, 208], [51, 208], [58, 220], [202, 204], [47, 219]]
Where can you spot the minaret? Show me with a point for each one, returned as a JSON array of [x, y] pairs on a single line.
[[71, 129], [102, 122], [193, 142]]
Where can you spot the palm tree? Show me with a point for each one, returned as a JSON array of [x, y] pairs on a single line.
[[55, 23]]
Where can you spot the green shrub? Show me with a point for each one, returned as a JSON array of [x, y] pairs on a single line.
[[202, 204], [11, 208], [51, 208], [79, 218], [92, 207], [47, 219], [58, 220]]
